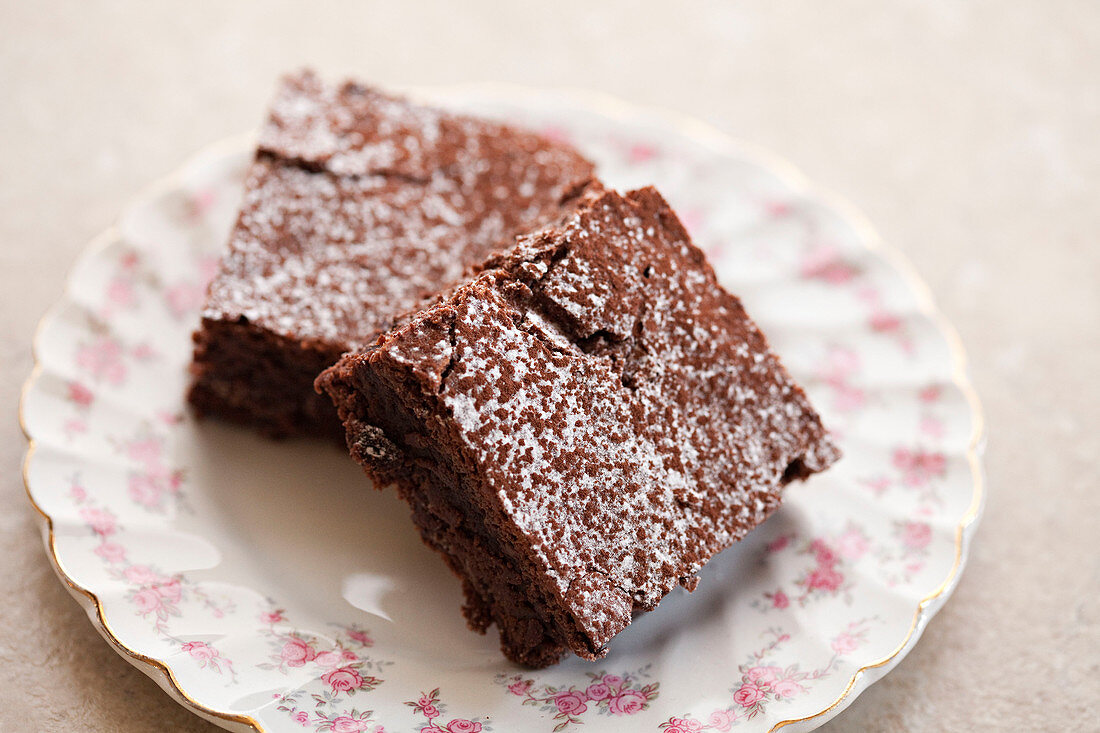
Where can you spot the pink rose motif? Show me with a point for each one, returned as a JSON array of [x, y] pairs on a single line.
[[641, 152], [776, 208], [80, 395], [849, 398], [836, 374], [101, 521], [74, 425], [825, 578], [877, 485], [344, 724], [302, 717], [686, 725], [570, 703], [780, 600], [933, 464], [748, 695], [721, 720], [112, 552], [200, 650], [787, 688], [763, 676], [627, 702], [822, 552], [916, 535], [296, 653], [361, 637], [349, 656], [612, 680], [823, 263], [120, 292], [145, 451], [144, 490], [917, 466], [932, 426], [143, 351], [157, 471], [343, 679], [845, 643], [520, 687], [202, 200], [598, 691], [843, 362], [140, 575], [852, 544], [929, 394], [147, 601], [883, 322], [272, 617], [183, 298], [103, 360], [904, 459], [430, 711], [170, 591], [329, 659], [778, 543], [169, 418], [461, 725]]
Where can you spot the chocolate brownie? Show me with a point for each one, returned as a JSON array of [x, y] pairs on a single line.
[[358, 205], [581, 427]]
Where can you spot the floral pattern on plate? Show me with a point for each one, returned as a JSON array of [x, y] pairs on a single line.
[[267, 587], [602, 693]]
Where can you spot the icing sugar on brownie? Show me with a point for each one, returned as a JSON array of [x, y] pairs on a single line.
[[582, 426], [359, 206]]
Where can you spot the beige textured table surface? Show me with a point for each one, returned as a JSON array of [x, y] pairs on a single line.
[[968, 132]]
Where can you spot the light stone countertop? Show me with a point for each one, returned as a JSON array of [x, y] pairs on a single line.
[[969, 133]]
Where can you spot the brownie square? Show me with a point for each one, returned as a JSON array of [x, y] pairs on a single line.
[[358, 206], [581, 427]]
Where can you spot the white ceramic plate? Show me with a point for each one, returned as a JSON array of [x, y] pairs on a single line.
[[266, 585]]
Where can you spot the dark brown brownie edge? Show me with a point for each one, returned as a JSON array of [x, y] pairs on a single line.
[[247, 375], [432, 473]]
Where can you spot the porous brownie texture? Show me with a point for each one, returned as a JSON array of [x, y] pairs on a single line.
[[581, 427], [358, 206]]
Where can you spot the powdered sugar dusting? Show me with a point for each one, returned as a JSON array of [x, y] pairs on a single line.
[[360, 206], [624, 409]]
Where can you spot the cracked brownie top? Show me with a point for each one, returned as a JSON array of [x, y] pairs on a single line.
[[614, 401], [360, 205]]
